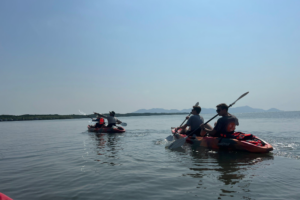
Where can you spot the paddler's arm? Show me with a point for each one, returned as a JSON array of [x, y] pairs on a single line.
[[209, 131], [100, 115], [118, 121], [182, 127]]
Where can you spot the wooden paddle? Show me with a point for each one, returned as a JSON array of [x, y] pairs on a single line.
[[178, 143]]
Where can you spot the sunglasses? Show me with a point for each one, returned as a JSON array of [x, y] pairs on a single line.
[[218, 110]]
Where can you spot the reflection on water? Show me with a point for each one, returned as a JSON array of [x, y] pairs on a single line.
[[101, 142], [233, 169], [107, 147], [103, 149]]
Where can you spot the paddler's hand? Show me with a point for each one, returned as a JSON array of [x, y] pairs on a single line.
[[187, 117], [202, 126], [176, 129]]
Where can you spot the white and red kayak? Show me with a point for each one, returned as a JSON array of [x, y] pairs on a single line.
[[106, 130], [254, 145]]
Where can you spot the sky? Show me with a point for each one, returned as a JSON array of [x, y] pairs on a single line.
[[57, 57]]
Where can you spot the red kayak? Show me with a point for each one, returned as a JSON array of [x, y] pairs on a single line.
[[254, 145], [106, 130], [4, 197]]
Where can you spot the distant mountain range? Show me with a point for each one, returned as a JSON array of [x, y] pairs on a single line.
[[242, 109]]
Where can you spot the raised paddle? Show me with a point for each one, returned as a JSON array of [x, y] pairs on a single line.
[[170, 137], [122, 123], [178, 143]]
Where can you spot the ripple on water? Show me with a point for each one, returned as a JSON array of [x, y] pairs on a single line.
[[231, 172], [286, 146]]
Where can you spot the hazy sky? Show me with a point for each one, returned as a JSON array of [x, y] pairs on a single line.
[[123, 55]]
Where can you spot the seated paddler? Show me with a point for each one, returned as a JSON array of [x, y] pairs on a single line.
[[225, 126], [112, 120], [193, 122], [100, 123]]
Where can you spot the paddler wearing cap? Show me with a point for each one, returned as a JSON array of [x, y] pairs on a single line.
[[193, 122], [112, 120]]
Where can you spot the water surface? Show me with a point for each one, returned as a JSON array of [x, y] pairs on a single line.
[[59, 159]]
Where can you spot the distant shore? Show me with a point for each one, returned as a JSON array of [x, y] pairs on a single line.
[[28, 117], [56, 116]]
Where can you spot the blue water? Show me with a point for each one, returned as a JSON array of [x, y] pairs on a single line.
[[59, 159]]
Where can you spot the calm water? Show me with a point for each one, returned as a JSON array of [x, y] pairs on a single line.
[[59, 159]]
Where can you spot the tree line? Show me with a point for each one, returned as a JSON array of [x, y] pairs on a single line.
[[72, 116]]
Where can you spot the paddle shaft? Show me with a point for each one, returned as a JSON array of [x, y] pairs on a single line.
[[189, 114], [218, 114], [122, 123], [185, 119]]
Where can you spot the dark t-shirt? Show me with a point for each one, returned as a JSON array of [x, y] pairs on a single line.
[[195, 121], [226, 124]]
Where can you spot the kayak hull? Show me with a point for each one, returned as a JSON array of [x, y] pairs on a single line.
[[106, 130], [218, 143]]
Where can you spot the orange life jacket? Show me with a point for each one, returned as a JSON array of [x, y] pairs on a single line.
[[101, 121]]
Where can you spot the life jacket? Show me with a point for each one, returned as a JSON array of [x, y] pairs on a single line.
[[223, 135], [101, 121], [237, 135]]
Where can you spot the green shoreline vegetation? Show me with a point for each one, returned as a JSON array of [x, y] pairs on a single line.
[[27, 117]]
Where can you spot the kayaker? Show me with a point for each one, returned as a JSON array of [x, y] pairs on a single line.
[[225, 125], [100, 122], [112, 120], [193, 122]]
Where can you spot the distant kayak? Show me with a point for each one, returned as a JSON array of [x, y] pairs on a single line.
[[106, 130], [254, 145]]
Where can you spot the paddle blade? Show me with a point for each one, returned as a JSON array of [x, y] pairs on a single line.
[[177, 143], [170, 138], [239, 98], [197, 104], [123, 124], [243, 95]]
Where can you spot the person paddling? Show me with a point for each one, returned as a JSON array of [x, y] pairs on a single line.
[[225, 125], [193, 122], [100, 123], [112, 120]]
